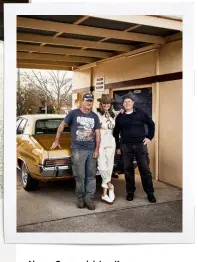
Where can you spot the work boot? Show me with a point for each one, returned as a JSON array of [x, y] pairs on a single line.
[[151, 198], [80, 204], [130, 197], [90, 204]]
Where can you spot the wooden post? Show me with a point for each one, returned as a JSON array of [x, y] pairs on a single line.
[[157, 120]]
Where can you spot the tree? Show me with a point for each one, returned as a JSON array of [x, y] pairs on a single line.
[[55, 87], [28, 101]]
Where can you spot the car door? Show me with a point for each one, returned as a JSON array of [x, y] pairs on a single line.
[[20, 127], [19, 119], [27, 148]]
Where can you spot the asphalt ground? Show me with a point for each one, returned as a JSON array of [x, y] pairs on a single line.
[[163, 217], [52, 208]]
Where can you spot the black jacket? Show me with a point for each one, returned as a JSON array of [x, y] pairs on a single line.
[[131, 127]]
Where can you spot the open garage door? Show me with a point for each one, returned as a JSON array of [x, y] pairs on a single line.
[[142, 97]]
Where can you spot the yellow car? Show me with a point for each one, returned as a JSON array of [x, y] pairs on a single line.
[[36, 161]]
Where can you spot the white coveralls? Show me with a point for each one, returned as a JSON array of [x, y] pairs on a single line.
[[107, 148]]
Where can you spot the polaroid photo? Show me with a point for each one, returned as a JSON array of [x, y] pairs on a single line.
[[102, 97]]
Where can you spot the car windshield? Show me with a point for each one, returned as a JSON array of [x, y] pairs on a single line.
[[49, 126]]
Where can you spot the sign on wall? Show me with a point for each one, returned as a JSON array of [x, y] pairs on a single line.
[[99, 84]]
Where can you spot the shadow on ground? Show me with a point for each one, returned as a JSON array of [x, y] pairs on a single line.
[[52, 208]]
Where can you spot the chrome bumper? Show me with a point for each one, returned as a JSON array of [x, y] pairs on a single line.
[[57, 171]]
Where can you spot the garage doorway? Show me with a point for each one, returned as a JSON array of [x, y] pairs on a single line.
[[142, 97]]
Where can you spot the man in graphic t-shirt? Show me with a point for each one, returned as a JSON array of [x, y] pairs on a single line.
[[85, 130]]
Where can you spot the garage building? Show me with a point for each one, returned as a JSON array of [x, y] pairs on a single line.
[[141, 55]]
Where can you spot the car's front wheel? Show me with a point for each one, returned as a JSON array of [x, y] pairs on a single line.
[[28, 183]]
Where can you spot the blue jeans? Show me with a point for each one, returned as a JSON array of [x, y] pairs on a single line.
[[84, 171]]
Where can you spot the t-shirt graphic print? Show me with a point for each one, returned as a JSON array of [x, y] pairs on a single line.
[[83, 128]]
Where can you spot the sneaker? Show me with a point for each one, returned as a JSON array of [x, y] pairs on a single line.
[[107, 200], [80, 204], [111, 194], [151, 198], [130, 197], [90, 205]]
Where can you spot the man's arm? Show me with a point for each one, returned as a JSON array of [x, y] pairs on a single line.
[[116, 133], [151, 126], [67, 121], [98, 140], [98, 137], [58, 134]]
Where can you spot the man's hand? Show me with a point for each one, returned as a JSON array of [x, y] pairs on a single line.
[[118, 152], [146, 141], [98, 139], [55, 144], [58, 134], [96, 153]]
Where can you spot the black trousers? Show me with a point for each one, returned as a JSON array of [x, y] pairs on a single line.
[[141, 154]]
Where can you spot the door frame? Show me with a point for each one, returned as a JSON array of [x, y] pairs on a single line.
[[155, 117]]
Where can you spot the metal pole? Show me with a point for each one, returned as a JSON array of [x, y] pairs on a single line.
[[46, 104], [157, 120]]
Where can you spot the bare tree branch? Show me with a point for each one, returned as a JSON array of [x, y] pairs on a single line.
[[53, 86]]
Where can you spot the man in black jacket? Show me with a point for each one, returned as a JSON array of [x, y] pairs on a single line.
[[130, 127]]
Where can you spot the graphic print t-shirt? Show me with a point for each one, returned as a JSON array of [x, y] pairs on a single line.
[[83, 128]]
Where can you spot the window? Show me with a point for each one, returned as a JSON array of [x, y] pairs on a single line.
[[49, 126], [21, 127]]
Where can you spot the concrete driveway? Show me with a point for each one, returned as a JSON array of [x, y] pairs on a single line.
[[53, 206]]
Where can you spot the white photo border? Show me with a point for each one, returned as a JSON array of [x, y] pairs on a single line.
[[10, 76]]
